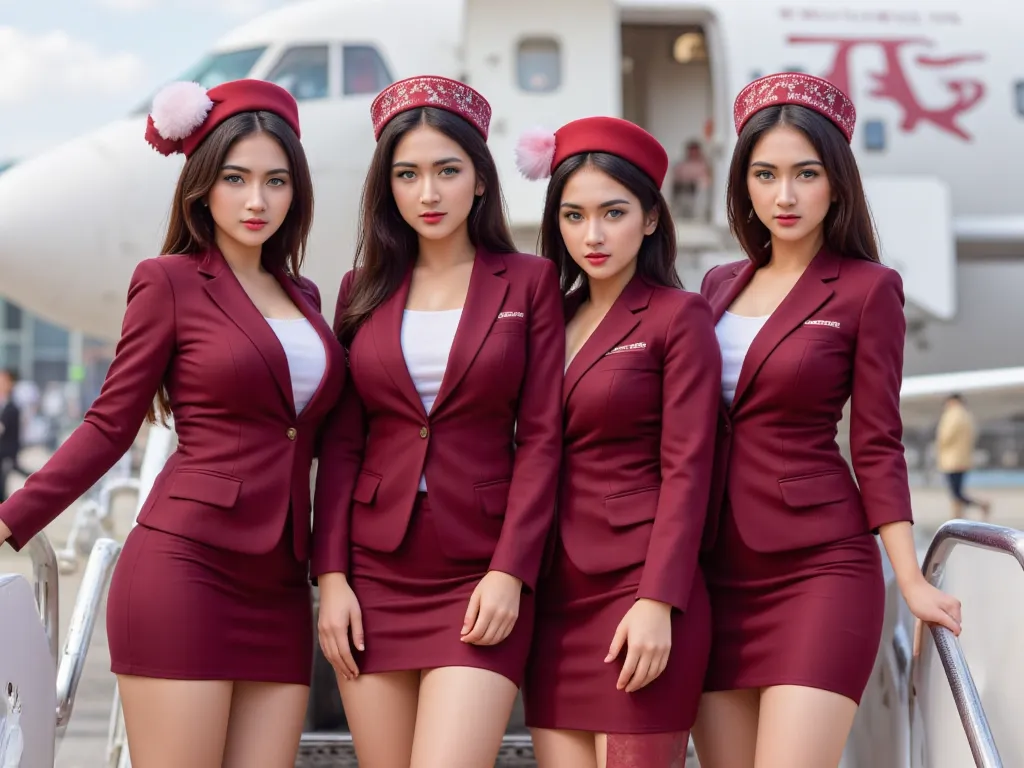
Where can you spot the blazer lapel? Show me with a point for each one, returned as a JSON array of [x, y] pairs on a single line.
[[810, 292], [386, 325], [300, 300], [225, 290], [730, 288], [484, 300], [613, 328]]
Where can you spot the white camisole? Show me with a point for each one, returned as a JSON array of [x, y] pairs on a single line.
[[307, 358], [427, 339]]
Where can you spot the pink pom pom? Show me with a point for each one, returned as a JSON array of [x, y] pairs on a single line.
[[180, 108], [535, 152]]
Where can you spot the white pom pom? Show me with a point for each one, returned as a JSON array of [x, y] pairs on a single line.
[[180, 108], [535, 152]]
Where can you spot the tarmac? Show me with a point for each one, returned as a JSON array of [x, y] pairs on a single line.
[[86, 739]]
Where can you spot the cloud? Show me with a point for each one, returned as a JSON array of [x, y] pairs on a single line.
[[233, 7], [54, 63]]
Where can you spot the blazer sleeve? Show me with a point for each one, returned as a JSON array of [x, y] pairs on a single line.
[[692, 380], [341, 455], [531, 500], [110, 426], [876, 428]]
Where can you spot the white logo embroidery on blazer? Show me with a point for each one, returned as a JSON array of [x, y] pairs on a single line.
[[829, 323], [503, 315], [637, 345]]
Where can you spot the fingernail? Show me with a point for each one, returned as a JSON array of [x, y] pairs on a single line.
[[362, 647]]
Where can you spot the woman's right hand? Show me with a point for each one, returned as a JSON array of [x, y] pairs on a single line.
[[5, 532], [339, 611]]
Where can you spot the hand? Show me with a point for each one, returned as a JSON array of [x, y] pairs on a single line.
[[646, 630], [933, 606], [493, 609], [339, 611], [5, 532]]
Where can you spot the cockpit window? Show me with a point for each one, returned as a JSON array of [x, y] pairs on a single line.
[[303, 72], [364, 70], [223, 67], [215, 69]]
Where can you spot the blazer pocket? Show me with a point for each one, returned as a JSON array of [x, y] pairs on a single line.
[[509, 326], [365, 491], [206, 487], [493, 497], [815, 490], [632, 507]]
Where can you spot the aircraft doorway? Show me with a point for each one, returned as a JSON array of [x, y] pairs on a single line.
[[667, 89]]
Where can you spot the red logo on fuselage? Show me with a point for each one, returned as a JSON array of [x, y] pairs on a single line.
[[892, 84]]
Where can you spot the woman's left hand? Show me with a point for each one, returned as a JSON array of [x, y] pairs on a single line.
[[646, 632], [933, 606], [493, 609]]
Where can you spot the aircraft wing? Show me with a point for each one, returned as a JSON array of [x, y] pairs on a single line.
[[990, 394]]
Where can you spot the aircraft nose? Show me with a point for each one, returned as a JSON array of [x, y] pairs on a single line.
[[76, 219]]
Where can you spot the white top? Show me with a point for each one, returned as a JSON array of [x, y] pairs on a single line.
[[307, 357], [427, 339], [735, 335]]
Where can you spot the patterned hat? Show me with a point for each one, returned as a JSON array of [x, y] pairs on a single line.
[[430, 91], [796, 88]]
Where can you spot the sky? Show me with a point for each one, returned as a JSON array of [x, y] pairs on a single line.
[[69, 66]]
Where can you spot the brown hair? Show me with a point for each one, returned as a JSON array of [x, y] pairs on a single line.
[[387, 246], [191, 228], [656, 261], [849, 230]]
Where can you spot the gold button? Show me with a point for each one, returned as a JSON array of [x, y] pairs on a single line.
[[423, 432], [292, 432]]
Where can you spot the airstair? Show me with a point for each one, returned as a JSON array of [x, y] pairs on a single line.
[[38, 682]]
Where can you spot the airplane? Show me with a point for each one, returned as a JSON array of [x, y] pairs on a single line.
[[936, 97]]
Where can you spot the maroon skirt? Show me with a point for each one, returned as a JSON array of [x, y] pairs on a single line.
[[568, 685], [809, 617], [414, 600], [182, 610]]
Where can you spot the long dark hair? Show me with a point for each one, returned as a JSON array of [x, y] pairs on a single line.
[[848, 228], [656, 261], [387, 246], [191, 227]]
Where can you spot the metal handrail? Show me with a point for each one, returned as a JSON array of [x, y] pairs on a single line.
[[76, 646], [47, 587], [995, 538]]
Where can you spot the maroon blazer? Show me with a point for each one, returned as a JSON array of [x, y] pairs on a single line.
[[641, 405], [243, 458], [490, 446], [838, 334]]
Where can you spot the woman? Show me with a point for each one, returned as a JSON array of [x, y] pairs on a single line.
[[810, 320], [623, 622], [447, 443], [209, 615]]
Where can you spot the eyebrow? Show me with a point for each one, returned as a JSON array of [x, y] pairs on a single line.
[[801, 164], [608, 204], [239, 168], [442, 161]]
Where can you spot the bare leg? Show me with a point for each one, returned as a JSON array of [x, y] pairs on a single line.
[[266, 725], [802, 727], [462, 715], [171, 723], [563, 749], [726, 731], [381, 712]]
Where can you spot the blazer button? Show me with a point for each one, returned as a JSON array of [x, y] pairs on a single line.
[[292, 433], [423, 432]]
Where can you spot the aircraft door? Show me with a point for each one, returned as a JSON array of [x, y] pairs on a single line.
[[540, 64]]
